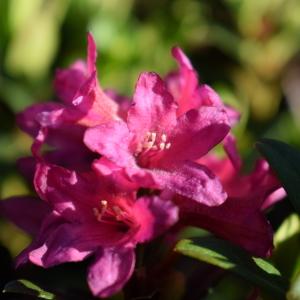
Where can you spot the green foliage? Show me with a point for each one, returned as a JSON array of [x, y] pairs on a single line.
[[285, 161], [224, 255], [26, 287]]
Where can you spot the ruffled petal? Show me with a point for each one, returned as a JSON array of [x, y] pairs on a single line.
[[111, 270], [68, 81], [153, 108], [113, 141], [183, 84], [71, 194], [29, 119], [236, 220], [67, 243], [154, 215], [193, 181], [197, 132]]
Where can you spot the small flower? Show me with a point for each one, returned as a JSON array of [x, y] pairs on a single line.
[[240, 219], [83, 214], [61, 125], [155, 148], [188, 93]]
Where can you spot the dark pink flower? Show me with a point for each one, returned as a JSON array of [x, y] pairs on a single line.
[[188, 93], [83, 215], [155, 149], [61, 125], [240, 218]]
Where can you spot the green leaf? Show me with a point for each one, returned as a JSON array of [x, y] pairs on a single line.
[[26, 287], [223, 254], [294, 291], [285, 161]]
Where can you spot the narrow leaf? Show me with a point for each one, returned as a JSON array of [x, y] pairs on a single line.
[[223, 254], [26, 287]]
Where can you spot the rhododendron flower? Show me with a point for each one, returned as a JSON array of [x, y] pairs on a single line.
[[155, 149], [85, 215], [240, 218], [61, 125], [188, 93]]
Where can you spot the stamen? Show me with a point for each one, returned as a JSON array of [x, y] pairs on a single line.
[[168, 145], [164, 138], [97, 214], [118, 212], [162, 146], [153, 136]]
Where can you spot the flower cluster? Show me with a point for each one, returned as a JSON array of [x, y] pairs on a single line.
[[111, 172]]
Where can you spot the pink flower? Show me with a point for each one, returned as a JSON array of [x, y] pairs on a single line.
[[188, 93], [85, 215], [156, 149], [61, 125], [240, 219]]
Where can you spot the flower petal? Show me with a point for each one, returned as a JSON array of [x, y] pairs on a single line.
[[153, 108], [236, 220], [25, 212], [111, 140], [67, 243], [68, 81], [28, 119], [193, 181], [111, 270], [197, 132], [155, 215], [71, 194]]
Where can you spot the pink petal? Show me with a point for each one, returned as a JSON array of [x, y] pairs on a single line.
[[71, 194], [67, 243], [153, 108], [197, 132], [273, 198], [25, 212], [49, 224], [111, 270], [155, 215], [68, 81], [209, 97], [91, 106], [236, 220], [111, 140], [183, 85], [229, 144], [92, 54], [124, 102], [28, 120], [193, 181]]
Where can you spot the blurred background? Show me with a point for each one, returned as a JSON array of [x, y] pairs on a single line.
[[248, 50]]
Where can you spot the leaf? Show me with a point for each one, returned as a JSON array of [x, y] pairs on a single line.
[[294, 291], [287, 243], [289, 227], [26, 287], [285, 161], [223, 254]]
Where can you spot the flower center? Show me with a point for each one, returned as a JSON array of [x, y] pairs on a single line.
[[111, 214], [151, 146]]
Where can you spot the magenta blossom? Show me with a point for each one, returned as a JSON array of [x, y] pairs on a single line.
[[241, 218], [85, 215], [61, 125], [188, 93], [155, 149]]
